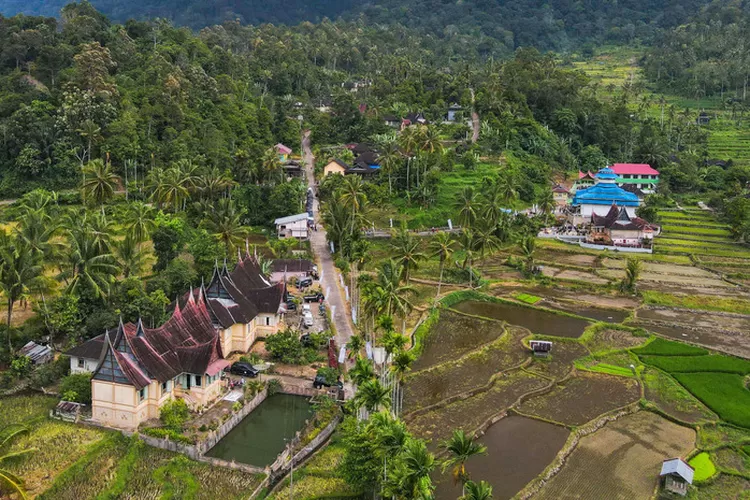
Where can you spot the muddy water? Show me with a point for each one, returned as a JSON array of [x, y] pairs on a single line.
[[541, 322], [519, 449], [262, 435], [597, 313]]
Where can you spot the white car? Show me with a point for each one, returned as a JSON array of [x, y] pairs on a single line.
[[307, 319], [306, 309]]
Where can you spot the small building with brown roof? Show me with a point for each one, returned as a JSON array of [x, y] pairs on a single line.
[[335, 166]]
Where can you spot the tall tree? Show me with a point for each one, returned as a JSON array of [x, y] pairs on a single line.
[[99, 182], [461, 448], [406, 249], [442, 246]]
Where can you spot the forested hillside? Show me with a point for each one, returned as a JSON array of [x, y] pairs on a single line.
[[707, 56], [556, 24]]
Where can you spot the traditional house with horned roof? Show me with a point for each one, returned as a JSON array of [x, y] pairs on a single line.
[[140, 368], [621, 229]]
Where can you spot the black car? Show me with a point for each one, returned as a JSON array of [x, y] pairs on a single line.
[[244, 369], [320, 381], [315, 297], [304, 282], [291, 306]]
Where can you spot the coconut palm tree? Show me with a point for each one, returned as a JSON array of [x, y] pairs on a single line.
[[352, 192], [225, 223], [632, 273], [546, 203], [468, 246], [485, 240], [466, 204], [373, 395], [390, 159], [88, 266], [99, 182], [7, 478], [406, 251], [395, 296], [141, 221], [132, 260], [507, 188], [271, 164], [491, 207], [171, 188], [20, 273], [401, 364], [37, 229], [477, 491], [430, 138], [393, 341], [392, 437], [442, 246], [460, 448], [528, 247]]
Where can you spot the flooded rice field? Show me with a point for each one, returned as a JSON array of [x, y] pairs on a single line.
[[519, 449], [538, 321]]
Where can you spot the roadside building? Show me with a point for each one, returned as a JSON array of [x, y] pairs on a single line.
[[283, 152], [676, 475], [292, 268], [37, 353], [561, 195], [640, 175], [293, 226], [453, 111]]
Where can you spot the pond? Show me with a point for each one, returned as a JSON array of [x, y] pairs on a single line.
[[518, 449], [262, 435], [538, 321], [596, 313]]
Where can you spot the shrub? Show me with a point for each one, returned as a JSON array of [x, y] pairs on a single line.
[[661, 347], [274, 386], [174, 414], [50, 373], [329, 374], [286, 347], [21, 366], [167, 433], [78, 384]]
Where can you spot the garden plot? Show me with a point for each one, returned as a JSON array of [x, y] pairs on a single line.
[[620, 461], [660, 268], [671, 398], [582, 398], [700, 320], [568, 274], [731, 460], [474, 370], [519, 449], [560, 362], [468, 414], [454, 336], [737, 344], [579, 260]]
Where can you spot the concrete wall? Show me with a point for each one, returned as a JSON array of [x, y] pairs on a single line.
[[89, 365]]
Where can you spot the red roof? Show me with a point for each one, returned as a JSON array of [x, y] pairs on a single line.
[[633, 168], [581, 175], [559, 189], [283, 149]]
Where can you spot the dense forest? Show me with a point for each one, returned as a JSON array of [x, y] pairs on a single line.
[[496, 26], [707, 56]]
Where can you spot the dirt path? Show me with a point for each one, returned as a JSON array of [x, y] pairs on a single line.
[[319, 245]]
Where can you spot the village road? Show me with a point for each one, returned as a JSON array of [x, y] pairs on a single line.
[[334, 294]]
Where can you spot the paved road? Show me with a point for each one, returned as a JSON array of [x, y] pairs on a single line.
[[334, 294]]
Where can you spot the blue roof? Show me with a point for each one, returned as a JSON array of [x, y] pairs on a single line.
[[605, 194], [606, 173]]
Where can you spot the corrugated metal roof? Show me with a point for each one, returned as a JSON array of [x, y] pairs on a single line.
[[291, 218], [35, 352], [679, 467]]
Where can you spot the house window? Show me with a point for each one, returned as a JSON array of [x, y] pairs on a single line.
[[142, 394], [165, 387], [268, 321], [198, 380], [81, 363]]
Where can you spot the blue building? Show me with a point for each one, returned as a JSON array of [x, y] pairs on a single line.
[[599, 198]]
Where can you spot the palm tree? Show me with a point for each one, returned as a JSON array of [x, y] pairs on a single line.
[[431, 142], [20, 272], [355, 345], [171, 188], [7, 478], [491, 208], [132, 259], [466, 205], [632, 273], [461, 448], [216, 183], [390, 159], [394, 341], [401, 364], [485, 240], [395, 296], [92, 133], [414, 481], [392, 436], [353, 197], [507, 188], [270, 163], [373, 395], [477, 491], [546, 203], [442, 246], [140, 221], [37, 230], [528, 246], [225, 223], [468, 245], [406, 251], [89, 267], [362, 371], [99, 181]]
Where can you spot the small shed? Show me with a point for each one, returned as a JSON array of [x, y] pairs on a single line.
[[540, 347], [703, 118], [38, 354], [67, 411], [676, 475]]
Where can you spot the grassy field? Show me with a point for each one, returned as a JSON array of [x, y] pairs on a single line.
[[724, 393], [704, 467], [701, 302], [661, 347]]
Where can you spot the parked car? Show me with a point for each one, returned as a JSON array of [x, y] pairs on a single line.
[[320, 381], [243, 369], [307, 319], [306, 308], [315, 297], [291, 306], [304, 282]]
